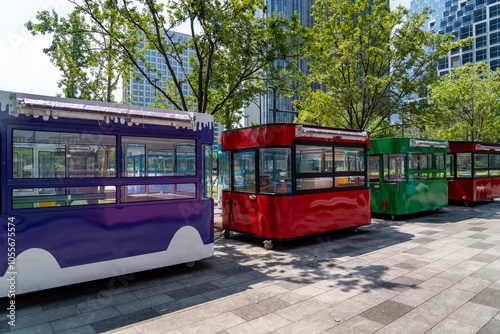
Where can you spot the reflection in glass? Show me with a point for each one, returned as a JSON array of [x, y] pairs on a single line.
[[62, 196], [394, 168], [313, 159], [157, 192], [349, 159], [244, 171], [374, 169], [275, 170], [349, 181], [464, 165], [314, 183]]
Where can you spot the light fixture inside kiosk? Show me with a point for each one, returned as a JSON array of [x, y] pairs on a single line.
[[480, 147], [428, 143], [304, 131], [95, 112]]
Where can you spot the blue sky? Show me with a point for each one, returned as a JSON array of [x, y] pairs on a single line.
[[25, 68]]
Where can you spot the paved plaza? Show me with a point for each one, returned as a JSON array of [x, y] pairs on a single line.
[[426, 273]]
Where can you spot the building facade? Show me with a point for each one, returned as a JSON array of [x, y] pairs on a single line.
[[142, 93], [466, 18], [272, 108]]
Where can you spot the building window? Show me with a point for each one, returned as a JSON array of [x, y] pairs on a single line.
[[455, 61], [480, 28], [480, 14], [495, 52], [481, 55], [465, 32], [494, 11], [494, 64], [467, 58], [495, 38], [443, 64], [494, 24], [480, 42]]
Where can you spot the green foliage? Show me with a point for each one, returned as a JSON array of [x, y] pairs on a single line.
[[369, 58], [466, 104], [91, 63], [234, 48]]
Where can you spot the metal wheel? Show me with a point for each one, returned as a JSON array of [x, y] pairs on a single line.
[[227, 234], [356, 229], [268, 244], [190, 264], [392, 217]]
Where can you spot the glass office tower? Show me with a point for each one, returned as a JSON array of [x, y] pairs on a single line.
[[466, 18]]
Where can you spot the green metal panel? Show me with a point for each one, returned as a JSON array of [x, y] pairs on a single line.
[[408, 196]]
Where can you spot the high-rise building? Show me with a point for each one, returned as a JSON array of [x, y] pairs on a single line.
[[466, 18], [141, 92], [271, 108]]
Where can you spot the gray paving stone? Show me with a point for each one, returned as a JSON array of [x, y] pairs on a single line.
[[259, 309], [451, 326], [356, 325], [38, 329], [386, 312], [404, 325], [474, 314], [482, 245], [265, 324], [492, 327], [178, 305], [87, 329], [472, 284], [487, 274], [479, 236], [137, 305], [100, 302], [415, 297], [488, 297], [192, 291], [4, 326], [46, 316], [124, 320], [477, 229], [84, 319], [411, 264], [301, 310]]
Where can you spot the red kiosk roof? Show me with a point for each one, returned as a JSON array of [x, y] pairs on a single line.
[[284, 134]]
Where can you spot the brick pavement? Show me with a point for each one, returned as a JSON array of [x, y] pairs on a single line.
[[430, 273]]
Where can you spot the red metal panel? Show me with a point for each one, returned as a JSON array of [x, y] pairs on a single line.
[[287, 217], [473, 190], [271, 135], [467, 146]]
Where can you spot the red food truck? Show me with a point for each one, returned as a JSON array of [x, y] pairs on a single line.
[[473, 171], [285, 181]]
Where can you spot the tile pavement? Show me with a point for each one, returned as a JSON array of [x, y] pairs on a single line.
[[426, 273]]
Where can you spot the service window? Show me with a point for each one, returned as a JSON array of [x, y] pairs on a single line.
[[349, 162], [207, 172], [223, 170], [394, 168], [314, 159], [157, 192], [374, 169], [464, 165], [494, 165], [157, 157], [418, 166], [44, 154], [275, 172], [450, 166], [244, 171], [480, 165]]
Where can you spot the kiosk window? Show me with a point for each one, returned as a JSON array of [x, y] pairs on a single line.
[[223, 170], [149, 156], [43, 154], [437, 160], [480, 165], [244, 171], [157, 192], [207, 171], [464, 165], [275, 170], [394, 168], [450, 165], [494, 164], [418, 160], [374, 169], [313, 159], [349, 159]]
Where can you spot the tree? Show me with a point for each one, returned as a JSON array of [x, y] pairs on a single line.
[[368, 59], [235, 49], [466, 104], [91, 63]]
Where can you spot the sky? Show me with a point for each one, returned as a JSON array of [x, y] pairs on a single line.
[[24, 67]]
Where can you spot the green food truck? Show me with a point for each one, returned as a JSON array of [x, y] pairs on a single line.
[[407, 175]]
